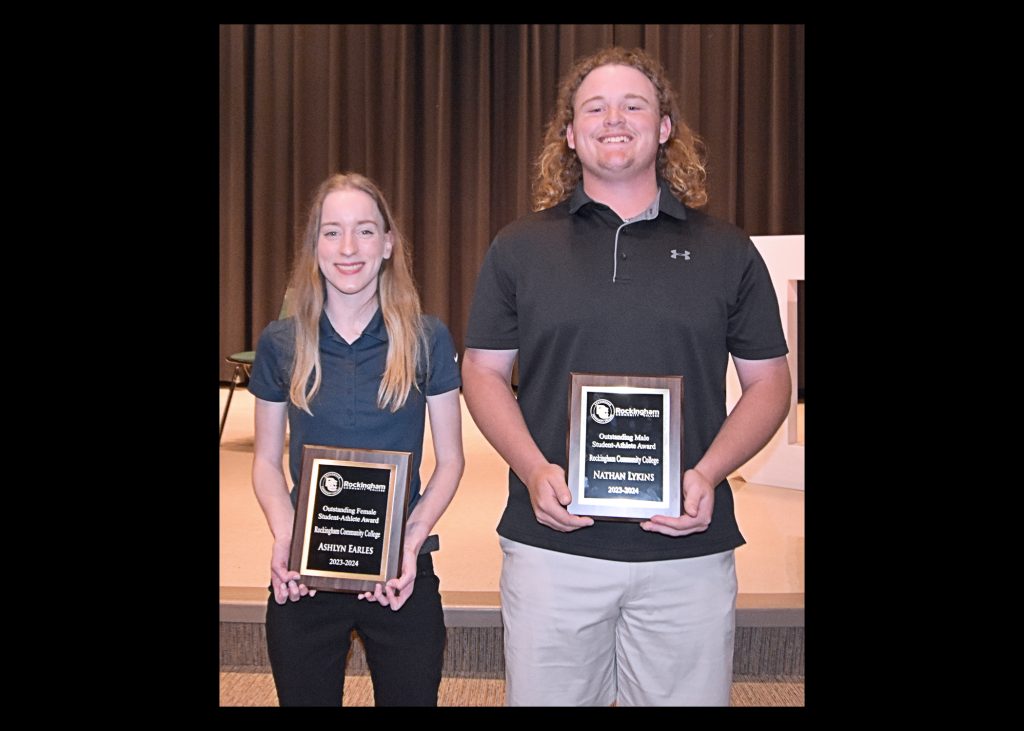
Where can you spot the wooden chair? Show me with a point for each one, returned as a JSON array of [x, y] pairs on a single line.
[[243, 363]]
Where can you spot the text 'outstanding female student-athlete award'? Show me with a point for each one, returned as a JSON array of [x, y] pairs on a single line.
[[350, 517], [625, 446]]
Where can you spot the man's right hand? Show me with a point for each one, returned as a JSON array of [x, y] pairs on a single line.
[[549, 495]]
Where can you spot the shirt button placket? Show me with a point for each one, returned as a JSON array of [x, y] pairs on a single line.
[[625, 257], [350, 392]]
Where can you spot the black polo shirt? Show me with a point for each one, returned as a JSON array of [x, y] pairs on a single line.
[[345, 412], [688, 291]]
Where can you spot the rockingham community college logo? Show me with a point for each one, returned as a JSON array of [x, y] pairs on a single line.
[[330, 484], [602, 411]]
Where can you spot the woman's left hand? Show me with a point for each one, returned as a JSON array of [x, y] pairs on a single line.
[[396, 592]]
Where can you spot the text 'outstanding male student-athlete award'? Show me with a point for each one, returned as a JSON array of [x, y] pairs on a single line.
[[350, 517], [625, 446]]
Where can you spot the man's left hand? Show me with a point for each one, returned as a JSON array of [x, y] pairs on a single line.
[[698, 504]]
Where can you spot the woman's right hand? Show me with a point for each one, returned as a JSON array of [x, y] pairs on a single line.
[[285, 583]]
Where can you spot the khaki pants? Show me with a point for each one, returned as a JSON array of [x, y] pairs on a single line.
[[589, 632]]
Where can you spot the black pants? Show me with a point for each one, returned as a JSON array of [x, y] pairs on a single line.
[[308, 642]]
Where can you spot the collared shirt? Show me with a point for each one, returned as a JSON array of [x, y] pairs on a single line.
[[345, 411], [670, 292]]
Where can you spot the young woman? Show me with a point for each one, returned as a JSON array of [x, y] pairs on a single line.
[[356, 365]]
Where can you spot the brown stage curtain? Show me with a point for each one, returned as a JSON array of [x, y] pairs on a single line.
[[448, 120]]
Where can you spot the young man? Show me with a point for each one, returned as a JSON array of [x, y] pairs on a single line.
[[617, 272]]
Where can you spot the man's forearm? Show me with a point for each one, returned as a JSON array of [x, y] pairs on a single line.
[[496, 412], [753, 421]]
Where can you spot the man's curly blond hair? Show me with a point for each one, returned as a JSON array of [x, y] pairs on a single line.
[[680, 160]]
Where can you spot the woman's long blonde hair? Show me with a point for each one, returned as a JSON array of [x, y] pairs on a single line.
[[681, 158], [396, 291]]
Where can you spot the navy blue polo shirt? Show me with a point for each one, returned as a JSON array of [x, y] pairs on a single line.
[[345, 412], [671, 292]]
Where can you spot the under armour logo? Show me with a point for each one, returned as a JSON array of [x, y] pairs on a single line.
[[684, 254]]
